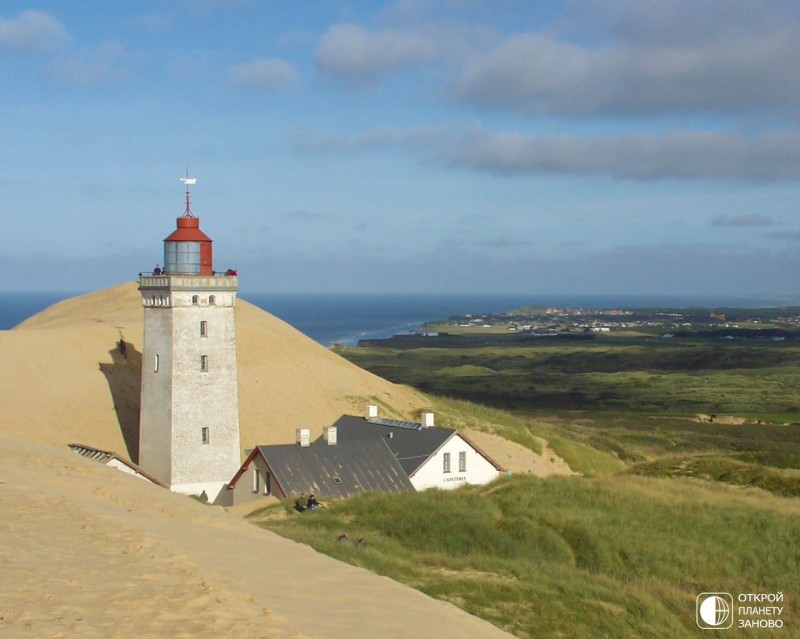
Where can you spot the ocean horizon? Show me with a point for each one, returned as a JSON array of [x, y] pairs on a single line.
[[346, 318]]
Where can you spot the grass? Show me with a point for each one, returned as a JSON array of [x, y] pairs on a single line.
[[667, 506], [724, 469], [680, 377], [621, 556], [604, 404]]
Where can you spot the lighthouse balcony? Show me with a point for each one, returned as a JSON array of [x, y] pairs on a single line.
[[162, 282]]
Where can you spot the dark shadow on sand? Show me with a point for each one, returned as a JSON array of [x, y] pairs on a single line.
[[124, 377]]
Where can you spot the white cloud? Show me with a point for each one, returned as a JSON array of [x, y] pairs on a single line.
[[639, 156], [32, 31], [676, 155], [263, 74], [357, 56], [733, 56], [306, 142]]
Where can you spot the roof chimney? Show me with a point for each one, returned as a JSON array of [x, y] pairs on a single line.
[[427, 420], [372, 411], [329, 434], [303, 436]]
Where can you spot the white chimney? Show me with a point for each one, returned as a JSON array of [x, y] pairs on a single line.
[[372, 411], [329, 433], [303, 436], [427, 420]]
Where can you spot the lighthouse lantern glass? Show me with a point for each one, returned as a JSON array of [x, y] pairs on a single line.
[[182, 257]]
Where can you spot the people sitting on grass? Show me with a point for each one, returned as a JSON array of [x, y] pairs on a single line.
[[303, 503], [312, 503]]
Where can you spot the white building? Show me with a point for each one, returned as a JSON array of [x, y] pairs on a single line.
[[189, 423], [112, 460], [431, 457]]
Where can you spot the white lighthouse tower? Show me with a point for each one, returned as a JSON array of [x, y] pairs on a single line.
[[189, 424]]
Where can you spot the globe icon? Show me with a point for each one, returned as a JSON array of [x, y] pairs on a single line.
[[715, 611]]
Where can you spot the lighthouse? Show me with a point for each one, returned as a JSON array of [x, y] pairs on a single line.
[[189, 419]]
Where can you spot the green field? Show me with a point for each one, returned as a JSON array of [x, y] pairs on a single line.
[[668, 504], [632, 403], [675, 377]]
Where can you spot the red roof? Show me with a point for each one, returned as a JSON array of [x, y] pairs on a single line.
[[188, 231]]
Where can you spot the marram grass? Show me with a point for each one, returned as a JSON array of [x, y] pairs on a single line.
[[621, 556]]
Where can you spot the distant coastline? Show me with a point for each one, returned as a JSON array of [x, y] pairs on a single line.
[[346, 318]]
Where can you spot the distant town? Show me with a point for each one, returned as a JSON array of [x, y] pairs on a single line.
[[774, 323]]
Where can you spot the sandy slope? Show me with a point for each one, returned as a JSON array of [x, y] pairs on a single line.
[[62, 379], [87, 551]]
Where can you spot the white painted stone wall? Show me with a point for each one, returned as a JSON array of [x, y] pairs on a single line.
[[181, 399], [432, 475], [155, 446], [118, 465]]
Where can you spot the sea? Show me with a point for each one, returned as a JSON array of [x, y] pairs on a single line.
[[345, 319]]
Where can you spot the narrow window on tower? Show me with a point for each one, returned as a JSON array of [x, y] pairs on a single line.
[[204, 363], [205, 435], [195, 300], [155, 363], [203, 329], [446, 463]]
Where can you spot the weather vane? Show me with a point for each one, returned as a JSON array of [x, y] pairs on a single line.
[[188, 181]]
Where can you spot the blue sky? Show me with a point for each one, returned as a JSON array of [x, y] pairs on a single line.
[[613, 146]]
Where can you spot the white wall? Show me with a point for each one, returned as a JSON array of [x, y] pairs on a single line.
[[118, 465], [155, 444], [180, 399], [204, 399], [212, 489], [431, 474]]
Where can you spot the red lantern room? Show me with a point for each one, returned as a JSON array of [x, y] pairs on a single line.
[[187, 251]]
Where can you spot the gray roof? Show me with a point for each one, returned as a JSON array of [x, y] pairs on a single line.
[[335, 471], [411, 447]]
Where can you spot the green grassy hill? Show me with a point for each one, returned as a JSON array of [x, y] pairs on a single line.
[[668, 505], [621, 556]]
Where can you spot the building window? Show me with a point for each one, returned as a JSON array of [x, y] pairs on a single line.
[[267, 484], [462, 462], [256, 478], [204, 434], [212, 300], [203, 329], [204, 363], [195, 300], [446, 462], [155, 363]]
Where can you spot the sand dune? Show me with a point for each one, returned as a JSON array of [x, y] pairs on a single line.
[[87, 551], [62, 379]]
